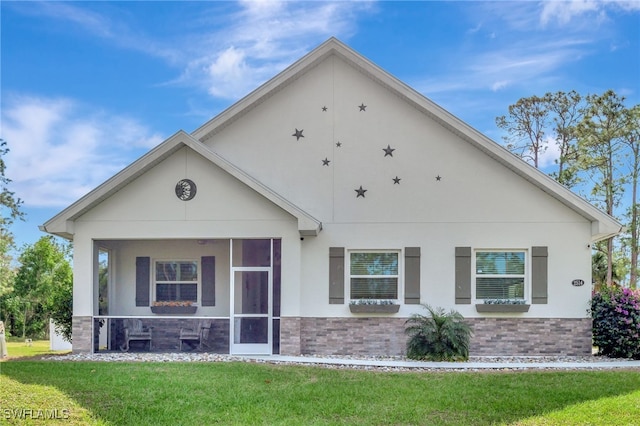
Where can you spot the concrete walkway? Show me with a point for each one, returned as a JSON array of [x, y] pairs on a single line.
[[529, 363]]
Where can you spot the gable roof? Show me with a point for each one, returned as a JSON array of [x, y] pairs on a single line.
[[62, 223], [602, 225]]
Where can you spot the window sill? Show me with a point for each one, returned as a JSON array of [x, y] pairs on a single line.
[[374, 309], [174, 310], [489, 307]]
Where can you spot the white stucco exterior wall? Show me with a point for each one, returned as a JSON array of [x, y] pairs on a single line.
[[477, 202], [147, 219], [569, 259]]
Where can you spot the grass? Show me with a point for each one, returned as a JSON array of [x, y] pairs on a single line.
[[249, 393], [18, 349]]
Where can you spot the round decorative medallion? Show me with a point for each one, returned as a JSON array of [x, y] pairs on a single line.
[[186, 189]]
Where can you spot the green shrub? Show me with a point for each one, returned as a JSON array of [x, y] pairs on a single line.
[[615, 313], [439, 336]]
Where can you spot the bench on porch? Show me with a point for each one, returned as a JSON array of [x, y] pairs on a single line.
[[135, 331], [197, 335]]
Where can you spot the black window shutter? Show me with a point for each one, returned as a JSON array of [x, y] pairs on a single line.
[[143, 280], [208, 265], [463, 275], [336, 275], [539, 275], [412, 275]]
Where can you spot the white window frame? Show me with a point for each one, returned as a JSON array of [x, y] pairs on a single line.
[[526, 275], [197, 282], [398, 277]]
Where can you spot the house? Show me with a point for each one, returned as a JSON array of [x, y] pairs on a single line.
[[331, 186]]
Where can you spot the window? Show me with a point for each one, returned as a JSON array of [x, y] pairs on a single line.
[[176, 281], [500, 274], [373, 275], [104, 271]]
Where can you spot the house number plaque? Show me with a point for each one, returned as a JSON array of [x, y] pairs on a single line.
[[577, 283]]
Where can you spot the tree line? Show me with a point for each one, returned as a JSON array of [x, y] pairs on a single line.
[[595, 144], [39, 286]]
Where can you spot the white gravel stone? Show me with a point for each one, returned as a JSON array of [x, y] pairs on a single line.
[[390, 364]]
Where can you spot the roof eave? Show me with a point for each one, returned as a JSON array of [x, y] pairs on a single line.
[[62, 224], [603, 230], [307, 224], [603, 221]]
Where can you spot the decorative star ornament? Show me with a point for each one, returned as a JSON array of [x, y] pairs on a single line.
[[396, 180], [324, 109], [360, 192], [362, 107], [438, 178], [298, 134], [326, 162], [338, 144], [388, 151]]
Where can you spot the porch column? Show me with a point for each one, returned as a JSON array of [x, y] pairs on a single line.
[[83, 262], [290, 336]]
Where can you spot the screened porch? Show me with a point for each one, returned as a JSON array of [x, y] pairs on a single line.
[[208, 295]]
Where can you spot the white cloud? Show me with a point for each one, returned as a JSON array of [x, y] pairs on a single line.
[[526, 50], [521, 63], [499, 85], [264, 37], [59, 151], [565, 12], [232, 48], [228, 73], [92, 22], [116, 27], [550, 154], [499, 68]]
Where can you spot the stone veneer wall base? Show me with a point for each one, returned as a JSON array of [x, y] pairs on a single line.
[[290, 336], [384, 336], [531, 336], [81, 334]]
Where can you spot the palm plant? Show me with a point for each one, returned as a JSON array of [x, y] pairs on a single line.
[[439, 336]]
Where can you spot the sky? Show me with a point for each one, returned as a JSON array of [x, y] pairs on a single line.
[[86, 88]]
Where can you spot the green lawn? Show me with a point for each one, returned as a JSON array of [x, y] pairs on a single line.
[[18, 349], [248, 393]]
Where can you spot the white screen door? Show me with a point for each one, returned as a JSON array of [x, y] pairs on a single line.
[[251, 308]]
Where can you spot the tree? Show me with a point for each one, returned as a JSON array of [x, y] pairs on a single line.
[[599, 142], [599, 267], [8, 202], [7, 275], [534, 122], [525, 126], [43, 287], [9, 212], [7, 271], [566, 111], [631, 139]]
